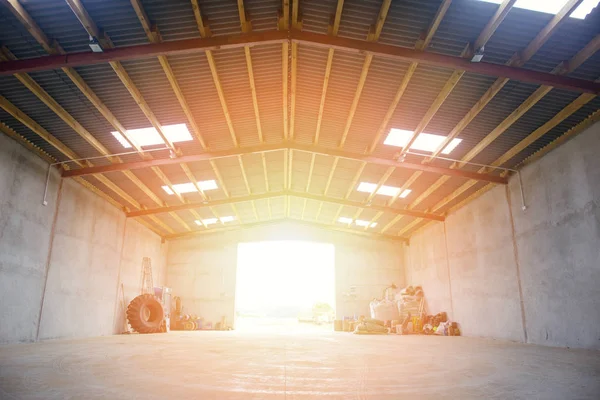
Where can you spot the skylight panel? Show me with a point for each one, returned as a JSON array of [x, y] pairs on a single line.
[[345, 220], [424, 142], [405, 193], [553, 6], [150, 137], [189, 187], [363, 223], [211, 221], [368, 187]]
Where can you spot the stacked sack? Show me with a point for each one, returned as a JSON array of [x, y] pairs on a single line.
[[440, 325]]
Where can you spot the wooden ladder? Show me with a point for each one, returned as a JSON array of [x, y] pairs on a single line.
[[146, 283]]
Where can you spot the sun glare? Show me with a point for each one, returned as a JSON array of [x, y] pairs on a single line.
[[553, 6], [282, 281]]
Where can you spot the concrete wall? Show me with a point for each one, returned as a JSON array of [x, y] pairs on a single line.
[[202, 269], [25, 226], [531, 276], [60, 264]]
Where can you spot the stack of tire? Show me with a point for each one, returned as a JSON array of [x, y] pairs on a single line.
[[145, 314]]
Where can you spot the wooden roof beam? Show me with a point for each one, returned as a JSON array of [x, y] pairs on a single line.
[[54, 48], [420, 45], [39, 130], [538, 133], [451, 83], [284, 25], [70, 154], [65, 116], [247, 183], [351, 187], [372, 195], [221, 183], [583, 99], [297, 24], [372, 36], [154, 37], [517, 60], [493, 24], [534, 98], [92, 29], [453, 80], [333, 30], [206, 35], [246, 26], [440, 60]]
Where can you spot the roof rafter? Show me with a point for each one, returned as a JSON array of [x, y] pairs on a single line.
[[296, 24], [70, 154], [450, 84], [153, 35], [453, 80], [518, 59], [575, 105], [532, 137], [120, 71], [333, 30], [206, 35], [247, 28], [221, 182], [372, 36], [284, 24], [421, 45], [65, 116]]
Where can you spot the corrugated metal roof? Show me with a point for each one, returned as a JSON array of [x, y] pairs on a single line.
[[405, 23]]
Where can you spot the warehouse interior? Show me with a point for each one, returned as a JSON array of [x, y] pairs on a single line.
[[197, 164]]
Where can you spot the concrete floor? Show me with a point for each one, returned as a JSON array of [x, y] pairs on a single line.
[[234, 365]]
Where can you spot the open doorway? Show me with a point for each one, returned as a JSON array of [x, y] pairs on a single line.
[[285, 286]]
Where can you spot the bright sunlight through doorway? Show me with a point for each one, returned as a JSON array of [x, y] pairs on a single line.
[[285, 286]]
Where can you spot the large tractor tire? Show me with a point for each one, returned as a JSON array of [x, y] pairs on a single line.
[[145, 314]]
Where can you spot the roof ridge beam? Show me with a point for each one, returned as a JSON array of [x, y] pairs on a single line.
[[268, 37], [270, 195], [281, 147]]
